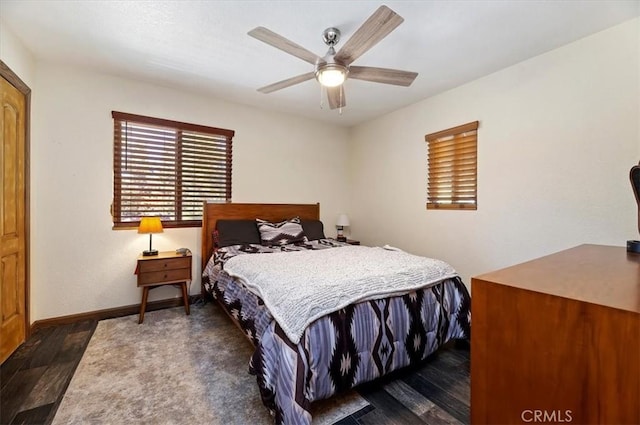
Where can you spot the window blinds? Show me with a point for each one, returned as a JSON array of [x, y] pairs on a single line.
[[452, 161], [168, 168]]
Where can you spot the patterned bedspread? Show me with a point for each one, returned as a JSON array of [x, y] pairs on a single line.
[[348, 347]]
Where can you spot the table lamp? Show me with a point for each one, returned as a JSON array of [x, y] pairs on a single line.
[[634, 176], [343, 221], [150, 225]]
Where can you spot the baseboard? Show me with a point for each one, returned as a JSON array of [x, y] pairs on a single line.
[[110, 313]]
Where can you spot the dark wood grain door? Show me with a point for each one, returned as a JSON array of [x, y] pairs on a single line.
[[12, 221]]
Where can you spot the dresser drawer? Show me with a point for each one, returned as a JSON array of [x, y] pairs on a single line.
[[165, 264], [153, 278]]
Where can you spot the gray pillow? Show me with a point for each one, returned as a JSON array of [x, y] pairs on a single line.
[[313, 229], [237, 232]]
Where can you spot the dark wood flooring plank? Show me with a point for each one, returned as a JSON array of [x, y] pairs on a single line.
[[17, 360], [409, 397], [352, 419], [442, 398], [73, 346], [17, 390], [422, 407], [447, 358], [450, 370], [389, 406], [438, 416], [85, 325], [454, 380], [377, 417], [48, 349], [36, 416], [363, 411], [51, 385], [349, 420], [36, 376]]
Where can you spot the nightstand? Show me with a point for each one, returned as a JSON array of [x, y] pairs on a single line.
[[166, 268], [353, 242]]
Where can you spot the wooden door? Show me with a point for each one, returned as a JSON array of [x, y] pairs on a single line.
[[13, 235]]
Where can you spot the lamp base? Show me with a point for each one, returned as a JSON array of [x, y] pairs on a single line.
[[633, 246], [149, 253], [341, 238]]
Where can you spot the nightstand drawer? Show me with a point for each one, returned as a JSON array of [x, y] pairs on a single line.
[[165, 264], [154, 278]]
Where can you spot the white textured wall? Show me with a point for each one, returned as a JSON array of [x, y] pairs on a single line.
[[16, 56], [558, 134], [78, 262]]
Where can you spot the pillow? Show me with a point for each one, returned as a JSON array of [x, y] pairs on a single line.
[[313, 229], [288, 231], [237, 232]]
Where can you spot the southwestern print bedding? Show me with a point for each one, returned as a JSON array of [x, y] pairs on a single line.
[[354, 344]]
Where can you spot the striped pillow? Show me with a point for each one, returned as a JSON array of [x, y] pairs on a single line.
[[288, 231]]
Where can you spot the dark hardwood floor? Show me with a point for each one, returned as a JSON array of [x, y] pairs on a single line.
[[436, 392], [34, 379]]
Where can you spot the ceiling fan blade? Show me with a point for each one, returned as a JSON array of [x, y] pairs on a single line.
[[287, 83], [336, 97], [382, 75], [377, 27], [284, 44]]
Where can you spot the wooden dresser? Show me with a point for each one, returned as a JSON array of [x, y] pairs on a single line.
[[557, 340]]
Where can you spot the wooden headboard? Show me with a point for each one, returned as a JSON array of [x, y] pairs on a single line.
[[231, 211]]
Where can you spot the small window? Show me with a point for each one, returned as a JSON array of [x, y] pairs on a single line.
[[453, 168], [167, 169]]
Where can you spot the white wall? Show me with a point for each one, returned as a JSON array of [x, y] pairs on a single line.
[[78, 263], [558, 134], [16, 56]]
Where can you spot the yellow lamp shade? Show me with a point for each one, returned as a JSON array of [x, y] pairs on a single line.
[[150, 225]]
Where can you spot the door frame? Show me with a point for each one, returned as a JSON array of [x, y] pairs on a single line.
[[15, 81]]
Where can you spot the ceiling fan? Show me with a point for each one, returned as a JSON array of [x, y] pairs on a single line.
[[334, 68]]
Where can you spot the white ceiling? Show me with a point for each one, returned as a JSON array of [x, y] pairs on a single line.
[[203, 46]]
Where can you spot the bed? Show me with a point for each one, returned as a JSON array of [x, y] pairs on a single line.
[[395, 316]]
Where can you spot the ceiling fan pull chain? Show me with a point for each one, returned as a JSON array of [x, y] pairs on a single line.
[[322, 90]]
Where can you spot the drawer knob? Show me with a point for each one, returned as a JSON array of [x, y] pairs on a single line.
[[165, 276]]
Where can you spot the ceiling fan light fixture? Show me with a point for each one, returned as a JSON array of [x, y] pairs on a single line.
[[332, 70], [331, 75]]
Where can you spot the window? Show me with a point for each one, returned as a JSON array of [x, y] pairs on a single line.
[[453, 168], [167, 169]]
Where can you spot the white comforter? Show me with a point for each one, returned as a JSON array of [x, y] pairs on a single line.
[[300, 287]]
